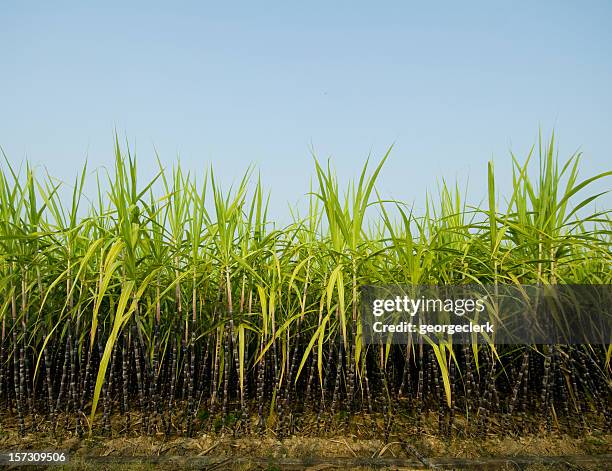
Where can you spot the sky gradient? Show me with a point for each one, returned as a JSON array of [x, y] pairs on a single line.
[[451, 85]]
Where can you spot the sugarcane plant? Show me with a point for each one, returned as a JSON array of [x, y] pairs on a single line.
[[176, 307]]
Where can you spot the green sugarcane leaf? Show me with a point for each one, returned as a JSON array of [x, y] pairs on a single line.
[[120, 317]]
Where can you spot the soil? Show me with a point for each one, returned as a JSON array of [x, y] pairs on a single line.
[[358, 446]]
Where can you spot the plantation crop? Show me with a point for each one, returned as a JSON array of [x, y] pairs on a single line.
[[176, 307]]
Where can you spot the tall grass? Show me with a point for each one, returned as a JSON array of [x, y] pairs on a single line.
[[188, 310]]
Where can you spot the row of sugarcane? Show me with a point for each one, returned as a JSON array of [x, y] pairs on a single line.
[[191, 391], [191, 312]]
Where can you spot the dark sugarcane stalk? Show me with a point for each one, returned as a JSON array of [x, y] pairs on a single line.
[[64, 376], [105, 400], [261, 373], [287, 417], [269, 385], [579, 406], [388, 412], [16, 369], [586, 375], [85, 384], [470, 384], [406, 380], [182, 336], [366, 378], [525, 393], [125, 378], [326, 376], [204, 371], [596, 389], [293, 367], [202, 377], [491, 392], [481, 386], [153, 377], [303, 310], [561, 386], [81, 371], [139, 380], [495, 395], [533, 387], [451, 417], [145, 377], [187, 393], [549, 391], [95, 364], [485, 402], [280, 403], [71, 403], [440, 399], [192, 381], [239, 390], [188, 375], [310, 374], [49, 383], [164, 382], [431, 378], [244, 387], [420, 386], [386, 395], [22, 377], [217, 359], [350, 387], [154, 388], [396, 370], [215, 377], [16, 387], [108, 405], [173, 362], [181, 372], [190, 367], [275, 384], [226, 372], [2, 367], [143, 370], [336, 396], [544, 395], [516, 387], [276, 391], [23, 356], [29, 391], [427, 366], [161, 372], [340, 363], [73, 385]]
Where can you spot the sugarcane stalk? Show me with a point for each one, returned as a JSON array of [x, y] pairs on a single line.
[[125, 377]]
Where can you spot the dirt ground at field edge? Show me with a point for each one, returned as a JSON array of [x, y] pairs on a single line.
[[145, 452], [332, 447]]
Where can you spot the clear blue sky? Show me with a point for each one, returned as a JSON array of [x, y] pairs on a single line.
[[452, 84]]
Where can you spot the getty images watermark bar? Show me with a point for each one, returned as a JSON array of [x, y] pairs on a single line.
[[499, 314]]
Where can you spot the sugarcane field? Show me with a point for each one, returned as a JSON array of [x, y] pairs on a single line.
[[317, 235], [187, 315]]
